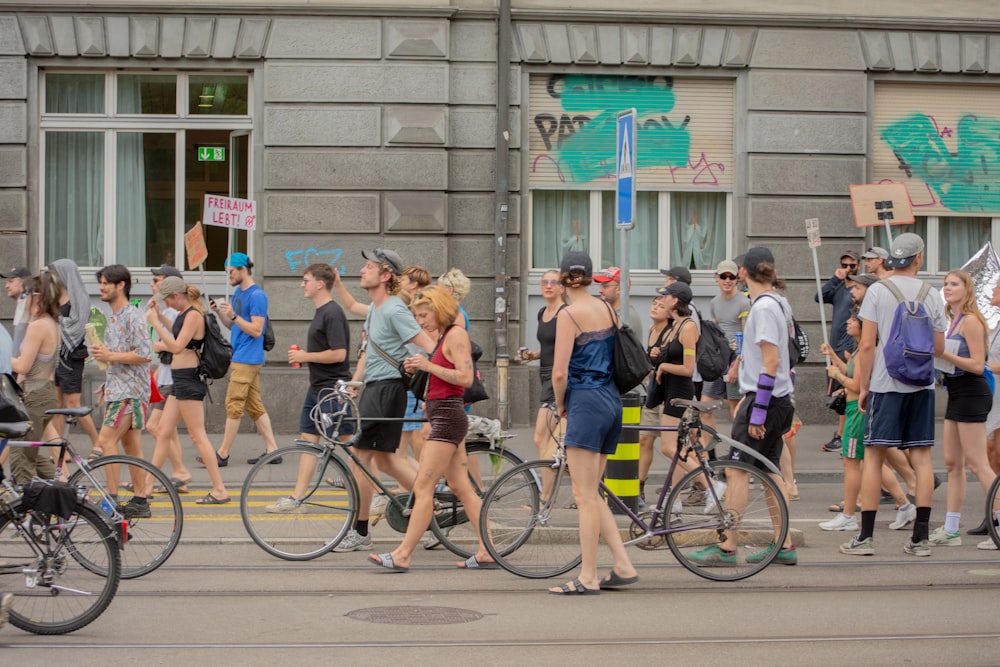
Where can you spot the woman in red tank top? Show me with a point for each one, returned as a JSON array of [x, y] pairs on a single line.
[[450, 370]]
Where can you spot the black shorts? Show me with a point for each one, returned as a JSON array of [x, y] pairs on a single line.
[[548, 394], [188, 385], [69, 375], [382, 398], [449, 422], [780, 413]]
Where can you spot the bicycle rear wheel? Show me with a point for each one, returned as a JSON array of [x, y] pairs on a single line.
[[451, 525], [149, 541], [700, 527], [529, 521], [53, 593], [312, 527], [992, 507]]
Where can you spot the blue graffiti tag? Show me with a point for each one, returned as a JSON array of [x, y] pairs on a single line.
[[303, 258], [966, 180]]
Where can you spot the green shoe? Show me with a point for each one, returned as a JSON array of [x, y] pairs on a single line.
[[785, 556], [713, 555]]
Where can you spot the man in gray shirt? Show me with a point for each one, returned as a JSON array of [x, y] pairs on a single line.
[[729, 310]]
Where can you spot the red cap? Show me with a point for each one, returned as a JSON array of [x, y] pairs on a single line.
[[610, 275]]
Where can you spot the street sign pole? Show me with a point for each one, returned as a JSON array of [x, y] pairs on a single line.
[[625, 152], [812, 232]]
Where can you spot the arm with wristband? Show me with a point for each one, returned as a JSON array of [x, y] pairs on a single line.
[[765, 388]]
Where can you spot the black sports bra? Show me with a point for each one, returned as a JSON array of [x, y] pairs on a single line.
[[179, 324]]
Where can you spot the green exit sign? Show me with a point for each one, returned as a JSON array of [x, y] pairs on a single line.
[[211, 154]]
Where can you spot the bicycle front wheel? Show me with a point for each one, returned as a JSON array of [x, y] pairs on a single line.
[[992, 507], [529, 521], [700, 520], [314, 524], [149, 540], [451, 524], [53, 593]]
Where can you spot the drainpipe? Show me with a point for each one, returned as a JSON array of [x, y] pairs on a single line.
[[501, 211]]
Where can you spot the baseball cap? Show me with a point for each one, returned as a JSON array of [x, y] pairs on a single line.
[[167, 270], [904, 248], [610, 275], [678, 290], [866, 279], [237, 260], [755, 256], [678, 273], [875, 252], [853, 254], [727, 266], [577, 261], [170, 285], [16, 272], [385, 256]]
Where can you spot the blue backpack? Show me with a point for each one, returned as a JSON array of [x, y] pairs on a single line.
[[909, 348]]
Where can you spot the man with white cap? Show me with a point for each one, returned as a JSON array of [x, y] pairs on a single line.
[[874, 260], [728, 309]]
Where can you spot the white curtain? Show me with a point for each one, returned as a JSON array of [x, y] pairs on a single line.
[[697, 229], [643, 237], [960, 239], [131, 201], [560, 223], [74, 197]]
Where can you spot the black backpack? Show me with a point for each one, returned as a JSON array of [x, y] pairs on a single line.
[[798, 341], [715, 356], [268, 330], [216, 352]]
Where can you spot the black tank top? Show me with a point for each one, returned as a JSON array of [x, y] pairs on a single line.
[[179, 324], [547, 338]]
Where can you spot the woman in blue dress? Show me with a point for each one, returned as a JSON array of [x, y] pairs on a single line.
[[586, 397]]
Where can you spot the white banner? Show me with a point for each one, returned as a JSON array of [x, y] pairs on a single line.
[[230, 212]]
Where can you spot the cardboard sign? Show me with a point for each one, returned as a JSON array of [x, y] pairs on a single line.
[[194, 244], [875, 204], [812, 232], [230, 212]]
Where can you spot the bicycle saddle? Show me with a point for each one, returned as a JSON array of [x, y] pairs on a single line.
[[81, 411], [700, 406], [14, 429]]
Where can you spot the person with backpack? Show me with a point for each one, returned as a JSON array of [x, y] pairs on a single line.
[[729, 310], [246, 317], [184, 340], [897, 386]]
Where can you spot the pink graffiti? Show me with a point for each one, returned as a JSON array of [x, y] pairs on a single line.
[[933, 201], [706, 168], [555, 162]]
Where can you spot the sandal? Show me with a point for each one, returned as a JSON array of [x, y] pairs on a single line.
[[574, 587], [178, 484], [94, 455], [209, 499]]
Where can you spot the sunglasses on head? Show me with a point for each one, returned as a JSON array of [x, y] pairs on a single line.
[[726, 276], [848, 265]]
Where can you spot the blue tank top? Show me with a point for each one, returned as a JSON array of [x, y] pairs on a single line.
[[590, 363], [963, 347]]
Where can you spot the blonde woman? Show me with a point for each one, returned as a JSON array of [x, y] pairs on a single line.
[[458, 285]]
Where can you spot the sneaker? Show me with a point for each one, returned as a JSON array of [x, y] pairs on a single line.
[[713, 555], [786, 556], [856, 547], [987, 545], [286, 505], [940, 538], [720, 491], [905, 515], [921, 548], [134, 510], [430, 541], [378, 505], [6, 601], [354, 542], [840, 522], [834, 445], [696, 497], [277, 460]]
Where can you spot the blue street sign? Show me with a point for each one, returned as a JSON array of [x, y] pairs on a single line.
[[625, 170]]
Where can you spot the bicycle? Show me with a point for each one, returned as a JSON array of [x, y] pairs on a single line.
[[148, 539], [68, 566], [330, 504], [530, 526], [992, 508]]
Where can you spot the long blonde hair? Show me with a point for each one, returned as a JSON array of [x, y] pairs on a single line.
[[968, 305]]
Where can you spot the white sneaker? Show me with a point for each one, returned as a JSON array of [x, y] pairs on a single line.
[[678, 507], [430, 541], [840, 522], [987, 545], [286, 505], [905, 515], [720, 490], [354, 542], [378, 505], [944, 539]]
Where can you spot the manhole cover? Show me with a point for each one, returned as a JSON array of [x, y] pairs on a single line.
[[413, 615]]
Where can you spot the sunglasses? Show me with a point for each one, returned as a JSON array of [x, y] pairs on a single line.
[[726, 276], [548, 283], [848, 265]]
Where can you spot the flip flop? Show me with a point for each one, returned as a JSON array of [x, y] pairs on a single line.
[[178, 484], [575, 588], [209, 499], [223, 462], [472, 563], [614, 581], [385, 561]]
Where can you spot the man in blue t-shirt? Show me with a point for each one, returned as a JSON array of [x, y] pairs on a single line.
[[246, 318]]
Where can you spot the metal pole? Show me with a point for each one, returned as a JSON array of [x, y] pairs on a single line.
[[624, 276], [822, 309], [501, 211]]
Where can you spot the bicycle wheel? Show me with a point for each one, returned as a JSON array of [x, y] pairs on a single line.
[[699, 530], [451, 525], [529, 521], [149, 540], [312, 527], [53, 593], [992, 507]]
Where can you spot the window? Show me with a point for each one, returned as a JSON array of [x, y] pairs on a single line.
[[949, 242], [124, 170]]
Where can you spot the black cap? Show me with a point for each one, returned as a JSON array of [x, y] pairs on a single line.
[[16, 272], [577, 261], [678, 290], [678, 273], [757, 255], [866, 279], [167, 270]]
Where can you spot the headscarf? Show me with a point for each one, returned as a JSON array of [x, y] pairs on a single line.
[[71, 327]]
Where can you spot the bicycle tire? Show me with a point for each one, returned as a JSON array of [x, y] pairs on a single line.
[[149, 541], [755, 535], [451, 525], [992, 507], [525, 535], [327, 513], [67, 596]]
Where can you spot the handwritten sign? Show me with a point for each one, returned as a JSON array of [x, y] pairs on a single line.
[[812, 232], [230, 212], [194, 244]]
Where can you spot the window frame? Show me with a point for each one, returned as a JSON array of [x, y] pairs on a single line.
[[932, 242]]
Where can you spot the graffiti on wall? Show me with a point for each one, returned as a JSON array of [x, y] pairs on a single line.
[[298, 260], [966, 179]]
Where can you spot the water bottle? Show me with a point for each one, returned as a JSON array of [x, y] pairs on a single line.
[[99, 321], [107, 506]]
